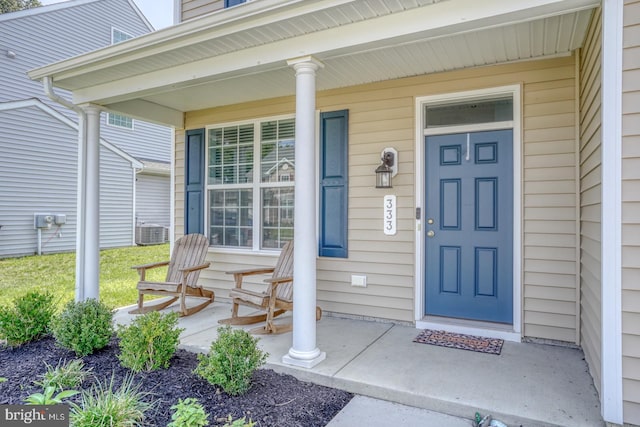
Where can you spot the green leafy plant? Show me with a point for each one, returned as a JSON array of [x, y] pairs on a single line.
[[105, 406], [188, 413], [3, 380], [240, 422], [149, 342], [231, 361], [47, 397], [64, 376], [83, 327], [27, 319]]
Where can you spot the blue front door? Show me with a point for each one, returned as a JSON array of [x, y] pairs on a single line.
[[469, 226]]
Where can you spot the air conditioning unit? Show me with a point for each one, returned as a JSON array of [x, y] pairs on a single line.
[[151, 234]]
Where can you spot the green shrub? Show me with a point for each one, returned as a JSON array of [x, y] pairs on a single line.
[[83, 327], [47, 397], [64, 376], [28, 319], [240, 422], [231, 361], [188, 413], [149, 342], [104, 406]]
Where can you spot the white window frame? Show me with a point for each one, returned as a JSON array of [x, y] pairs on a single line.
[[508, 332], [108, 121], [257, 185], [113, 35]]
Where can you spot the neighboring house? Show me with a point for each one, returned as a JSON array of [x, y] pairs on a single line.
[[39, 138], [515, 211]]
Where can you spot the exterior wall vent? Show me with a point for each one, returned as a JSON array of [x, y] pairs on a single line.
[[151, 234]]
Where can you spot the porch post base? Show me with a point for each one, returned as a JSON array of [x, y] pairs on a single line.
[[287, 359]]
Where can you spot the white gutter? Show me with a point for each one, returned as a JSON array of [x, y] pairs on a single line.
[[80, 213], [134, 203]]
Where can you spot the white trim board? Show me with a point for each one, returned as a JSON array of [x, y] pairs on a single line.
[[611, 396], [475, 328]]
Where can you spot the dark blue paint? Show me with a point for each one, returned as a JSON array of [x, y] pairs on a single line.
[[334, 183], [194, 182], [469, 267], [229, 3]]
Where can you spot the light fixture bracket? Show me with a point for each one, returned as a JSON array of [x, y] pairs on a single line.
[[387, 169]]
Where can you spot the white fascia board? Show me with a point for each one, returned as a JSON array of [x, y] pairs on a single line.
[[464, 15], [33, 102], [217, 24], [437, 20], [149, 112]]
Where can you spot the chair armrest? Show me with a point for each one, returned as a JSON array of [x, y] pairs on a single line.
[[239, 274], [252, 271], [152, 265], [278, 280], [273, 285], [195, 267]]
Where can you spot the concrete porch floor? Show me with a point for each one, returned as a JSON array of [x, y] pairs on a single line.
[[527, 384]]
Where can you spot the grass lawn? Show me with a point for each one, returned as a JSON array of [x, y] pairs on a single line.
[[56, 273]]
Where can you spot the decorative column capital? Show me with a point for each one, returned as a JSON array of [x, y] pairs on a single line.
[[305, 63], [91, 108]]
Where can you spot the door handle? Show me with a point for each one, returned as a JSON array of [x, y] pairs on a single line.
[[431, 233]]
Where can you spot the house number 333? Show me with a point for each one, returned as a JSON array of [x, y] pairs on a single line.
[[389, 215]]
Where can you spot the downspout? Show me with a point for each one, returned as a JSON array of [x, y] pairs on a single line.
[[134, 211], [80, 214]]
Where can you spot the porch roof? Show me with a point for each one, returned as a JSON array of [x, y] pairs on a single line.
[[240, 54]]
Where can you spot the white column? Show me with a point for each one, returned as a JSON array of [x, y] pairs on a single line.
[[612, 387], [304, 351], [91, 236], [80, 206]]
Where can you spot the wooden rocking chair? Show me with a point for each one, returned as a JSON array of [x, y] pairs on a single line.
[[275, 300], [187, 260]]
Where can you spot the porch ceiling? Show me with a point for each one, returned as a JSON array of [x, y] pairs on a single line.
[[240, 54]]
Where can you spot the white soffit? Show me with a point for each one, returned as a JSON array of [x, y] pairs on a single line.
[[528, 40], [211, 61]]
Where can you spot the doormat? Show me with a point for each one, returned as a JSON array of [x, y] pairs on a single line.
[[460, 341]]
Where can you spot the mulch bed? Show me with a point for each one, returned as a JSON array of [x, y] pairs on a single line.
[[273, 400]]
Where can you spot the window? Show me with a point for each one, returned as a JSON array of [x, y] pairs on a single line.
[[250, 183], [118, 36], [113, 119], [469, 112], [119, 120], [231, 3]]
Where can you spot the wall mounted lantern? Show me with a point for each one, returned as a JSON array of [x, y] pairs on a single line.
[[387, 169]]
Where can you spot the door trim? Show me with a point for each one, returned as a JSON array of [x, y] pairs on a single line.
[[513, 333]]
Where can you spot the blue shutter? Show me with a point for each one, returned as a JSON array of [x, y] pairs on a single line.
[[334, 183], [194, 182], [230, 3]]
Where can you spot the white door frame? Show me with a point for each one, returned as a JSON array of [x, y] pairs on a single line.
[[508, 332]]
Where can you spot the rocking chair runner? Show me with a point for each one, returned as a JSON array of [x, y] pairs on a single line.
[[187, 260], [275, 300]]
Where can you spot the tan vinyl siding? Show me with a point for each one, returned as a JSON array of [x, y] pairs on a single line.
[[631, 212], [179, 184], [382, 115], [193, 8], [590, 198], [549, 208]]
